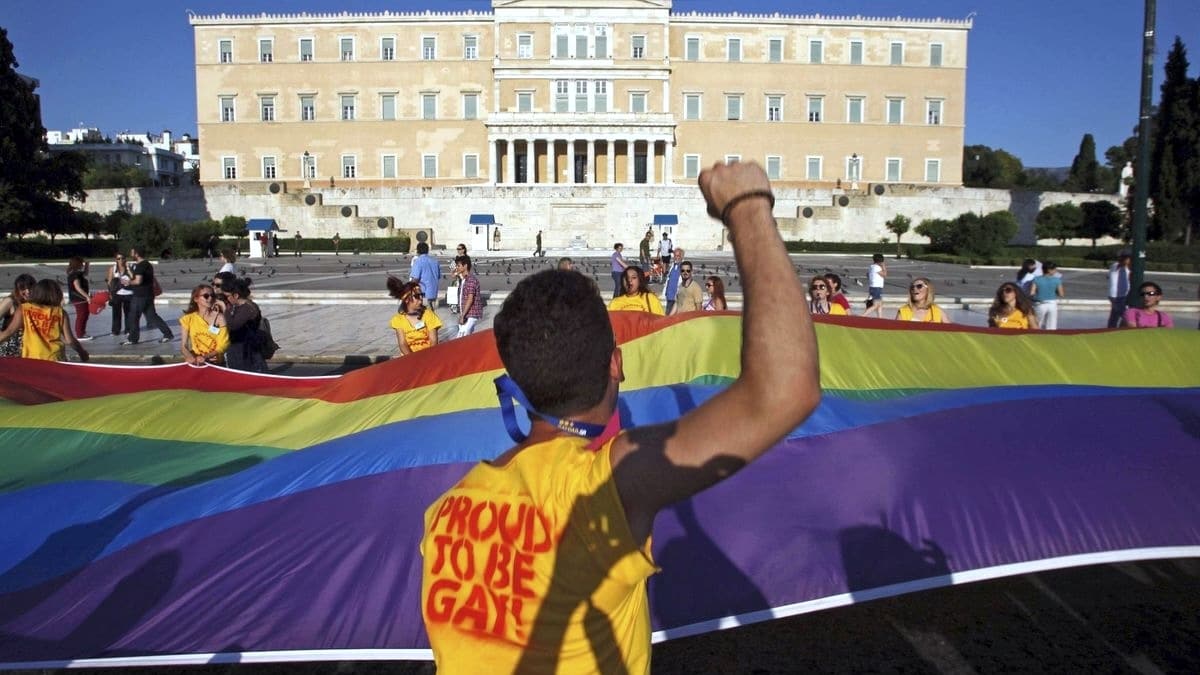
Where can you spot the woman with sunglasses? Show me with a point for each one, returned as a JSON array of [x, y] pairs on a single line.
[[635, 294], [1150, 316], [22, 287], [818, 293], [205, 333], [119, 295], [415, 324], [1011, 309], [714, 290], [920, 306]]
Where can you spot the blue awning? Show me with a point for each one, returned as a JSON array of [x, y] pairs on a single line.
[[666, 219], [263, 224], [483, 219]]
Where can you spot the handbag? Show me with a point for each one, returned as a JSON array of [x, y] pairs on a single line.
[[157, 289]]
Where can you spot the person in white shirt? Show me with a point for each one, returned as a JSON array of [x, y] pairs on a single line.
[[876, 274], [665, 247]]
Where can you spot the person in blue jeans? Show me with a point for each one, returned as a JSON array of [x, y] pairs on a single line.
[[426, 271], [618, 267], [1046, 290]]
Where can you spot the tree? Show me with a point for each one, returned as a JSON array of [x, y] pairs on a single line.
[[1060, 221], [1100, 219], [31, 180], [988, 168], [234, 226], [939, 232], [101, 176], [148, 233], [899, 226], [1174, 170], [1085, 170]]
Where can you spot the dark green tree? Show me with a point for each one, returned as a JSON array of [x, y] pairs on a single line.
[[939, 232], [1174, 179], [234, 226], [149, 233], [1100, 219], [1060, 221], [1085, 170], [899, 227], [987, 168], [31, 180]]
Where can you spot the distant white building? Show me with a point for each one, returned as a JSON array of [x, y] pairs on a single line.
[[153, 154]]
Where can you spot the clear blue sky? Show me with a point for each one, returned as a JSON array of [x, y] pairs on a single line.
[[1040, 74]]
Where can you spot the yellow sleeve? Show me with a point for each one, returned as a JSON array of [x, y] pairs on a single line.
[[655, 304], [431, 319]]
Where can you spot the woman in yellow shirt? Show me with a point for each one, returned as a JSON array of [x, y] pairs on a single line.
[[920, 306], [1011, 309], [818, 294], [205, 334], [635, 294], [415, 324], [45, 329]]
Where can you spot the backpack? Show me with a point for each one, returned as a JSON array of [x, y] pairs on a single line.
[[261, 339]]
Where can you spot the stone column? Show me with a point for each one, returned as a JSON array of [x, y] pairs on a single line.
[[650, 161], [591, 161], [552, 159], [570, 161], [631, 148], [668, 162], [610, 171], [493, 150], [510, 163], [531, 161]]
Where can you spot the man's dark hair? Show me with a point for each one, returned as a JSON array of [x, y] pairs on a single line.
[[463, 259], [137, 251], [878, 257], [422, 248], [556, 341]]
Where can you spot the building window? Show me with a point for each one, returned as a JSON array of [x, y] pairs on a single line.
[[429, 166], [266, 50], [470, 106], [691, 50], [812, 168], [387, 49], [691, 106], [389, 166], [600, 88], [387, 106], [348, 106], [581, 96], [525, 46], [856, 52], [349, 166], [854, 167], [935, 55], [895, 111], [933, 171], [470, 47], [229, 168], [639, 47], [816, 104], [228, 112], [562, 96], [602, 41], [775, 50], [774, 108], [854, 110], [933, 111], [733, 107], [428, 48], [470, 166], [225, 47], [897, 54], [637, 102], [691, 166], [268, 168], [893, 169], [732, 159], [308, 166], [308, 108], [266, 106], [816, 51], [562, 42], [347, 45], [524, 101], [429, 106], [774, 166], [733, 49], [306, 49]]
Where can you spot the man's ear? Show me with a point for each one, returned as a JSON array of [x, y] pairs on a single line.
[[616, 367]]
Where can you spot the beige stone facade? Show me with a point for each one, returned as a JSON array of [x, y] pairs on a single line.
[[577, 91]]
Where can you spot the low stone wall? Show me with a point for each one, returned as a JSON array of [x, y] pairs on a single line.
[[572, 216]]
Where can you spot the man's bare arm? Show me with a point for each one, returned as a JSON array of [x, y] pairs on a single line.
[[779, 385]]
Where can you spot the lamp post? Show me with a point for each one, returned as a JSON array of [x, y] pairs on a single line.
[[306, 167], [855, 173]]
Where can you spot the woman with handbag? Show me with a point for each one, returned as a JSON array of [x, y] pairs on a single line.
[[119, 294]]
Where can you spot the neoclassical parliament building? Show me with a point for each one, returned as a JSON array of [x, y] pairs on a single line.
[[552, 92]]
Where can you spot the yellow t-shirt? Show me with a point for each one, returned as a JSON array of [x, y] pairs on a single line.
[[905, 313], [203, 341], [642, 302], [523, 561], [43, 332], [1014, 321], [417, 338]]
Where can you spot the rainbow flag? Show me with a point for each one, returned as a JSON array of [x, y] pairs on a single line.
[[174, 514]]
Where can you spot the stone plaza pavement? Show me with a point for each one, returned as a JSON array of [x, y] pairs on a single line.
[[327, 309]]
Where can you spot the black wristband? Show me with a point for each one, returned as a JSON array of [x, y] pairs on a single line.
[[746, 195]]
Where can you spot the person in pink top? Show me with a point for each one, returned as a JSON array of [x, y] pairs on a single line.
[[1149, 316]]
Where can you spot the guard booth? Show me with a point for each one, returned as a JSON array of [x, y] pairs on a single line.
[[663, 222], [486, 233], [257, 227]]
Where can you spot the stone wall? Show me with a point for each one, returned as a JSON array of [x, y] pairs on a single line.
[[572, 216]]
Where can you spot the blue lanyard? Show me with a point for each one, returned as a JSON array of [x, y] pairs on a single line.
[[508, 391]]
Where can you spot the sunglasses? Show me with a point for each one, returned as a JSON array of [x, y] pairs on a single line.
[[207, 296], [685, 271], [1008, 290], [916, 287], [818, 287], [1151, 293], [709, 284]]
